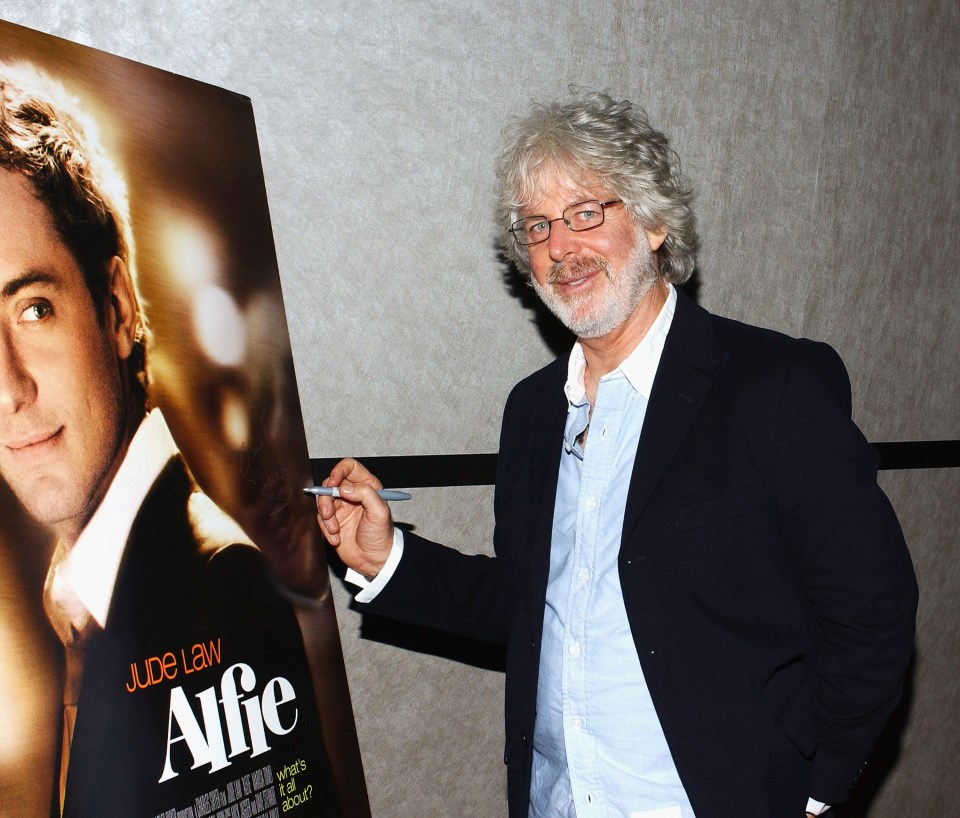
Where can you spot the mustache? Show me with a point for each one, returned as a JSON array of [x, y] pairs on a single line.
[[576, 267]]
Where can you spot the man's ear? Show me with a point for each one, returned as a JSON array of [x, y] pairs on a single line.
[[655, 238], [122, 307]]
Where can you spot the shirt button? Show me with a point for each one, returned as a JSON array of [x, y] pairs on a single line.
[[576, 723], [591, 502], [575, 650], [583, 575]]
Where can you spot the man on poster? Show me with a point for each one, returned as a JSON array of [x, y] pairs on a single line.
[[707, 600], [161, 600]]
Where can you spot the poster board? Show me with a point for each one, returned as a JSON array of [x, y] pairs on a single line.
[[221, 374]]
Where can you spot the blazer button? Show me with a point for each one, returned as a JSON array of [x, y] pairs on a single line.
[[523, 739]]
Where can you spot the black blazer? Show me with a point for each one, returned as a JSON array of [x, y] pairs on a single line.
[[769, 591], [183, 580]]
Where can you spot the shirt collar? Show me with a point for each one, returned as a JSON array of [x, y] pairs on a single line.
[[91, 567], [639, 367]]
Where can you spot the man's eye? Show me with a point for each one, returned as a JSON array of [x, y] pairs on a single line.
[[37, 311], [538, 226]]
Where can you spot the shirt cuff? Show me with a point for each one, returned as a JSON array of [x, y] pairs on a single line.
[[815, 807], [369, 588]]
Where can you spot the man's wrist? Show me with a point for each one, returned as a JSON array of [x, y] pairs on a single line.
[[371, 586], [815, 807]]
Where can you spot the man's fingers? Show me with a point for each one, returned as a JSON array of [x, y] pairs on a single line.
[[327, 518], [340, 471], [355, 499], [353, 470], [358, 523], [325, 508], [329, 536], [364, 494]]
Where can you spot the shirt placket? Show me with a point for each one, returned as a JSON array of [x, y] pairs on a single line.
[[597, 470]]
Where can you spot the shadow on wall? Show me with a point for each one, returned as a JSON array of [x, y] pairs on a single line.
[[554, 334], [420, 639]]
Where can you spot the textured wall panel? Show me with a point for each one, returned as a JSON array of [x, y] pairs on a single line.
[[822, 139]]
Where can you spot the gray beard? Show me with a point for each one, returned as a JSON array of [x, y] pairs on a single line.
[[626, 290]]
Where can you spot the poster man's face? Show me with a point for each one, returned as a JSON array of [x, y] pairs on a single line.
[[62, 418]]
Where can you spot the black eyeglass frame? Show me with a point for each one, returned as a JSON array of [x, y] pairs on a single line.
[[517, 227]]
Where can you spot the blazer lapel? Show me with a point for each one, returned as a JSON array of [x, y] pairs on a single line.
[[546, 444], [692, 359], [550, 444]]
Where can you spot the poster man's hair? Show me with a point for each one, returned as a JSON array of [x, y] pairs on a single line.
[[46, 136]]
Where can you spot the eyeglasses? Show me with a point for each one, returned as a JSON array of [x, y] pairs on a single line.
[[578, 217]]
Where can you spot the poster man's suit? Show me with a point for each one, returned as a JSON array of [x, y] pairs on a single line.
[[186, 578], [770, 594]]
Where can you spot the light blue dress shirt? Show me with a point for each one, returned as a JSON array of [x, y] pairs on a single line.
[[598, 748]]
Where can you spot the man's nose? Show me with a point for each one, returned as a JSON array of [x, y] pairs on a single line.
[[17, 387], [562, 241]]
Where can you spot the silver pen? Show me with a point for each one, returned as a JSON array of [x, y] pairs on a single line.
[[333, 491]]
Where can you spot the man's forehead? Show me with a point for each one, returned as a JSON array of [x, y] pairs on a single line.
[[553, 186], [32, 252]]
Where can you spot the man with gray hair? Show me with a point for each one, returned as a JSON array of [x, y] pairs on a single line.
[[707, 600]]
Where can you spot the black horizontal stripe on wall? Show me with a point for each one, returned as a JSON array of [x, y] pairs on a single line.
[[919, 454], [442, 470], [421, 470]]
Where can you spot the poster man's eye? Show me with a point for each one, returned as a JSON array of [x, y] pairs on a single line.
[[37, 311]]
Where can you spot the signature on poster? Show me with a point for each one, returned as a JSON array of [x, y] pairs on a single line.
[[270, 477]]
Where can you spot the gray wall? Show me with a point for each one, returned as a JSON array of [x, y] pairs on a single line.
[[823, 140]]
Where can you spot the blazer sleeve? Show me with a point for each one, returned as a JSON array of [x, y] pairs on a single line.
[[854, 566], [441, 588]]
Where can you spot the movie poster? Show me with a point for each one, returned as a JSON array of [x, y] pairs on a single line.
[[201, 673]]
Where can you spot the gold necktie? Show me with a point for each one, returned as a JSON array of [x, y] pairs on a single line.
[[71, 620]]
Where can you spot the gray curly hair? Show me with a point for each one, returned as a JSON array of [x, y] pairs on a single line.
[[597, 139]]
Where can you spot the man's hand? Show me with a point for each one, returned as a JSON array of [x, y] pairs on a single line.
[[358, 524]]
